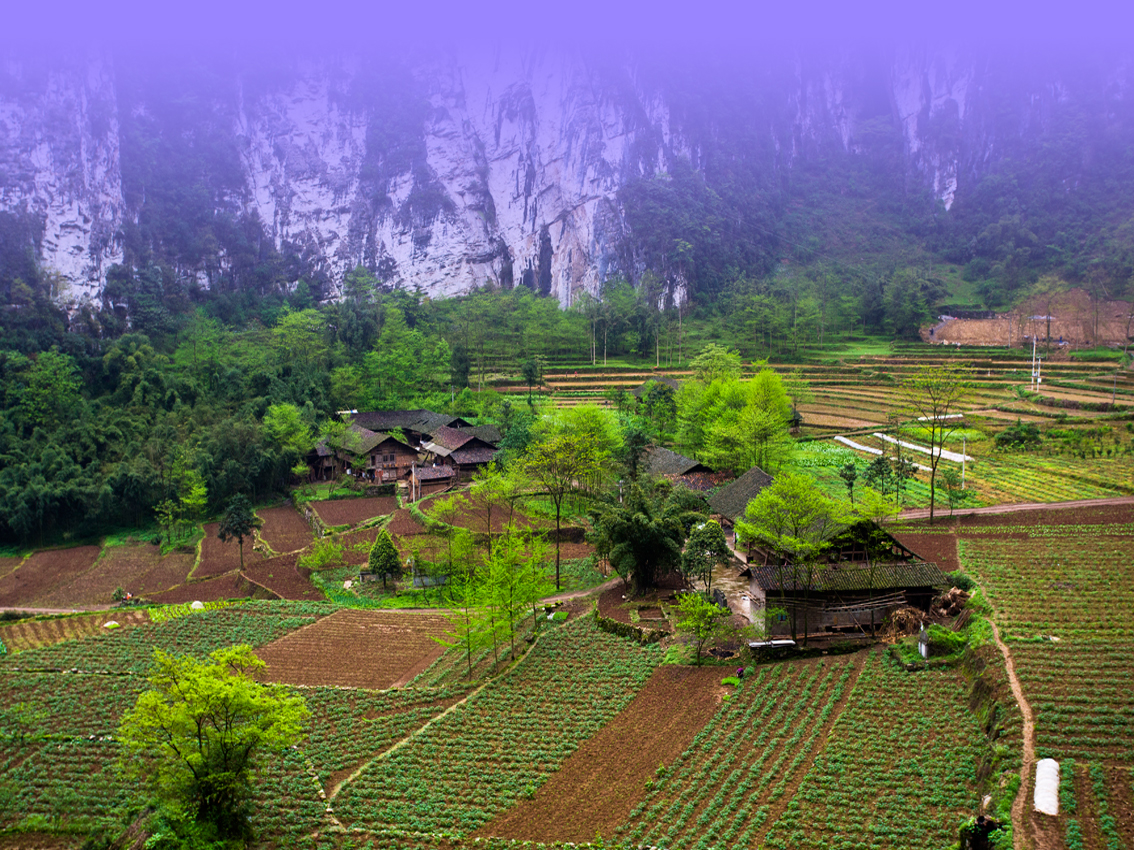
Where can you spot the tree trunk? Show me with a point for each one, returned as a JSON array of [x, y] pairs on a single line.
[[557, 513]]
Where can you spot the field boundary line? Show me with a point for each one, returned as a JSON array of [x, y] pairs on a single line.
[[412, 735], [1029, 735], [197, 558], [776, 811], [1016, 507]]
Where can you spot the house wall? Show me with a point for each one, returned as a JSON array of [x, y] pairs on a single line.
[[398, 469]]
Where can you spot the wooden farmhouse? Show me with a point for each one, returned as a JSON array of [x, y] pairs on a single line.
[[425, 480], [845, 591], [367, 455], [459, 449]]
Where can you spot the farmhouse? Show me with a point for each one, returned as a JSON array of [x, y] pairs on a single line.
[[370, 455], [663, 463], [425, 480], [459, 449], [847, 590]]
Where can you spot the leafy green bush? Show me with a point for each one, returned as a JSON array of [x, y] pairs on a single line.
[[962, 581], [1022, 435]]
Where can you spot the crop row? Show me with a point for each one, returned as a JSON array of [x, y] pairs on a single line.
[[1019, 477], [504, 742], [1096, 817], [757, 742], [874, 786], [163, 613], [73, 781], [63, 705], [131, 650], [1081, 697], [1049, 584], [345, 729]]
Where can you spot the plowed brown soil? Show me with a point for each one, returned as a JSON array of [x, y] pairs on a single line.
[[473, 514], [284, 529], [402, 524], [230, 586], [356, 649], [940, 549], [281, 577], [9, 564], [352, 539], [43, 572], [354, 511], [138, 568], [600, 784], [218, 558]]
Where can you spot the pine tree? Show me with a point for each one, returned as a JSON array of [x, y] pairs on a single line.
[[384, 559]]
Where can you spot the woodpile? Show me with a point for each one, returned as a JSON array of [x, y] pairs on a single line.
[[950, 603]]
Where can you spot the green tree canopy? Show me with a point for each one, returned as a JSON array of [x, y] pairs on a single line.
[[705, 549], [238, 521], [701, 619], [199, 731], [644, 534], [384, 559]]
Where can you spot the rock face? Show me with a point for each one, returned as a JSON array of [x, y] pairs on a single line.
[[498, 167], [59, 165]]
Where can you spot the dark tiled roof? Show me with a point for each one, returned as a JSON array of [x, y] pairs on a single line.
[[474, 455], [451, 438], [372, 440], [702, 482], [433, 473], [731, 500], [489, 433], [661, 461], [852, 577], [420, 420]]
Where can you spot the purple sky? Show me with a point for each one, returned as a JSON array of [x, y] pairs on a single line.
[[714, 27]]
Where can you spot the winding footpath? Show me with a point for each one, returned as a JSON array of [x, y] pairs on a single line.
[[1029, 734]]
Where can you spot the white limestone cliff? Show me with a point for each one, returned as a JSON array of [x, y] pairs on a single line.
[[513, 176], [59, 163]]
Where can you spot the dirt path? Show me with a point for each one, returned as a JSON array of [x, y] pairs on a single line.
[[579, 594], [596, 788], [1019, 805], [922, 513]]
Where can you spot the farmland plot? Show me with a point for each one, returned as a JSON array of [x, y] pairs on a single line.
[[280, 576], [596, 788], [284, 529], [131, 650], [1062, 595], [899, 770], [33, 634], [139, 568], [354, 511], [219, 557], [359, 649], [729, 786], [41, 573], [511, 736], [1067, 581], [348, 728]]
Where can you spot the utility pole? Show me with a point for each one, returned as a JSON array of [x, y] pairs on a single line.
[[964, 456]]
